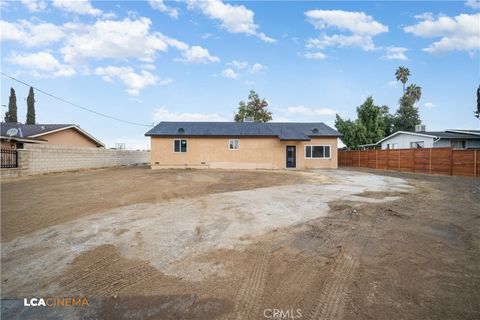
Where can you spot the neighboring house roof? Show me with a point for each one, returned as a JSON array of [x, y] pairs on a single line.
[[474, 132], [435, 135], [30, 140], [37, 130], [284, 131]]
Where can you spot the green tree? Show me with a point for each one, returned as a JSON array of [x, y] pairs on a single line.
[[407, 115], [477, 113], [414, 92], [11, 114], [30, 107], [402, 75], [370, 116], [388, 121], [353, 132], [255, 108]]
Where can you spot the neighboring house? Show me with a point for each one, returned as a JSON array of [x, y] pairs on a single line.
[[14, 135], [243, 145], [457, 139]]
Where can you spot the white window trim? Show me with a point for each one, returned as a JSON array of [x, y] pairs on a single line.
[[417, 142], [173, 145], [229, 140], [316, 145]]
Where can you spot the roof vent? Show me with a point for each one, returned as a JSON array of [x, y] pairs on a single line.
[[420, 128], [315, 130], [181, 130], [248, 119]]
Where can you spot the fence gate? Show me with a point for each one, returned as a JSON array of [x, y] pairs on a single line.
[[9, 158]]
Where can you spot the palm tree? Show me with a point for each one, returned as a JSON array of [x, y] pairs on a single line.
[[402, 75], [414, 92]]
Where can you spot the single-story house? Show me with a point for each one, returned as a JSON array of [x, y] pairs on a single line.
[[243, 145], [457, 139], [14, 135]]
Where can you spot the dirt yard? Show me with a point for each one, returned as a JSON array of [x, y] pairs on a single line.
[[326, 244]]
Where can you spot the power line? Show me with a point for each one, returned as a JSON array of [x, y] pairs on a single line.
[[74, 104]]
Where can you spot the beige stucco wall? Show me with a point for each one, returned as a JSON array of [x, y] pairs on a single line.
[[45, 158], [254, 153], [69, 137]]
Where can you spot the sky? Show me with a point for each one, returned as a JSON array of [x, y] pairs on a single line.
[[153, 61]]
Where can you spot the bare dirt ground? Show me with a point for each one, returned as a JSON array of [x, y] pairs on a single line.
[[331, 244]]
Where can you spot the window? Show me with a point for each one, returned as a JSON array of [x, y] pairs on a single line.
[[233, 144], [458, 144], [317, 152], [416, 144], [392, 146], [179, 145]]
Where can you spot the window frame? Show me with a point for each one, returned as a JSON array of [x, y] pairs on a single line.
[[238, 144], [463, 142], [422, 146], [180, 150], [311, 152]]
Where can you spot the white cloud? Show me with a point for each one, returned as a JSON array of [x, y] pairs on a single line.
[[474, 4], [163, 114], [393, 83], [105, 39], [256, 68], [239, 65], [339, 40], [121, 39], [395, 53], [460, 33], [83, 7], [42, 64], [133, 81], [31, 35], [160, 6], [34, 5], [315, 55], [361, 27], [229, 73], [355, 22], [304, 111], [197, 54], [428, 105], [234, 18]]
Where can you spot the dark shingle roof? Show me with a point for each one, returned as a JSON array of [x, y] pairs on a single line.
[[284, 131], [27, 130], [450, 135]]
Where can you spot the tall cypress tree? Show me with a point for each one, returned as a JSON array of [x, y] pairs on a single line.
[[31, 107], [11, 114]]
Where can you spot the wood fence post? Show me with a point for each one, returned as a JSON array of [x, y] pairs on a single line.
[[413, 161], [430, 160], [451, 162], [475, 163], [376, 158], [359, 158], [388, 156], [399, 151]]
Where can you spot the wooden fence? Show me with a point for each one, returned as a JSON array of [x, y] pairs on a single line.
[[446, 161]]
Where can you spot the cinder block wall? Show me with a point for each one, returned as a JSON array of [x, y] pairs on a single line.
[[38, 159]]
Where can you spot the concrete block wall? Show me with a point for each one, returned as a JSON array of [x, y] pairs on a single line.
[[39, 159]]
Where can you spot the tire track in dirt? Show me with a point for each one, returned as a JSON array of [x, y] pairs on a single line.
[[250, 295], [330, 303], [300, 272], [104, 272]]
